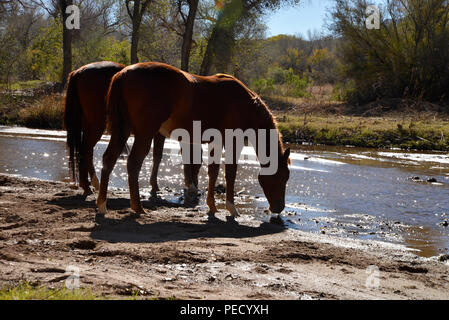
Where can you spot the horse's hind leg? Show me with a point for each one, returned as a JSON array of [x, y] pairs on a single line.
[[85, 156], [90, 160], [93, 175], [140, 149], [110, 157], [230, 174], [158, 150]]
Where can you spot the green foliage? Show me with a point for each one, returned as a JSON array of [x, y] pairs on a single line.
[[322, 66], [365, 132], [44, 55], [284, 81], [293, 58], [27, 291], [407, 57], [99, 48], [264, 86], [21, 85]]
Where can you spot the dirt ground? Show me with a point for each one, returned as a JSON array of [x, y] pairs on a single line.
[[179, 252]]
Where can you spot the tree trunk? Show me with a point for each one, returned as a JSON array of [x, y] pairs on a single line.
[[66, 42], [136, 18], [208, 57], [221, 41], [188, 35], [134, 45], [219, 50]]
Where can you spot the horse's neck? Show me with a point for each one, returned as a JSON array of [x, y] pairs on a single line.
[[266, 123]]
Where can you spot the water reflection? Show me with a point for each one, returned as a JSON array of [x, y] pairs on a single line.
[[351, 192]]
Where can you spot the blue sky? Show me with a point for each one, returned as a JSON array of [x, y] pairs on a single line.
[[309, 15]]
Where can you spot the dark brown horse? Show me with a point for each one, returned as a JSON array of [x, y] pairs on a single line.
[[85, 121], [147, 98]]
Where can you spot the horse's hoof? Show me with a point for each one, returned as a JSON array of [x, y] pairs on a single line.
[[95, 183], [154, 191], [212, 212], [191, 196], [139, 210], [190, 203], [211, 218], [230, 219], [232, 209], [87, 192], [102, 208]]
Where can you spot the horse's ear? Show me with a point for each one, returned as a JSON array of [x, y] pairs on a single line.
[[287, 155]]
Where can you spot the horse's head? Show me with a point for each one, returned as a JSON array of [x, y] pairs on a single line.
[[274, 185]]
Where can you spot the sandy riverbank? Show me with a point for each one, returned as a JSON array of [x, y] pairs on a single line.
[[179, 252]]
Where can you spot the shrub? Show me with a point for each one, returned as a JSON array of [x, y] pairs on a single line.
[[45, 113], [283, 81], [296, 86], [264, 86], [406, 57]]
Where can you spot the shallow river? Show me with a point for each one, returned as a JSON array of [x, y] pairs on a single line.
[[345, 191]]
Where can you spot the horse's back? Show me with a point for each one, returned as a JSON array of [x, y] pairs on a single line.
[[92, 86], [160, 93], [154, 91]]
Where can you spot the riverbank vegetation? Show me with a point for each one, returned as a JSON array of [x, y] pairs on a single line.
[[423, 132], [348, 84], [29, 291]]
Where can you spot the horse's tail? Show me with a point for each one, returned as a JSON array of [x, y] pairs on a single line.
[[72, 124], [116, 117]]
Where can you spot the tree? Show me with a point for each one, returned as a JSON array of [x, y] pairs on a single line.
[[19, 24], [180, 19], [57, 9], [222, 36], [189, 22], [66, 41], [407, 56], [136, 13]]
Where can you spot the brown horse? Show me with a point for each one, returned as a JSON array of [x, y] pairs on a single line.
[[149, 97], [85, 121]]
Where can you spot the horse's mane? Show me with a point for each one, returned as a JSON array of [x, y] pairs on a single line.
[[267, 117]]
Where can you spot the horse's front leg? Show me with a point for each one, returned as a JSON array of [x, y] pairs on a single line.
[[230, 174], [212, 171], [191, 170], [158, 150]]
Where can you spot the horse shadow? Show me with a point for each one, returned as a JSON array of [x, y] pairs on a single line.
[[131, 228], [79, 201]]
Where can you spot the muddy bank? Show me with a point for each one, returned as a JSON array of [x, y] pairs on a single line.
[[179, 252]]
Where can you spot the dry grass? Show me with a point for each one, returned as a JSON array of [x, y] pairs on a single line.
[[424, 131], [27, 291], [45, 113]]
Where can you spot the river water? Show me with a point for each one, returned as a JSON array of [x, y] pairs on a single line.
[[343, 191]]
